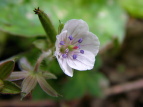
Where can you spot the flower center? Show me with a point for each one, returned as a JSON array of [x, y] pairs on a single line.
[[65, 48]]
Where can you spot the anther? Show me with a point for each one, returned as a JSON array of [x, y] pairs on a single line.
[[64, 55], [74, 56], [82, 51], [70, 37], [62, 43], [80, 40]]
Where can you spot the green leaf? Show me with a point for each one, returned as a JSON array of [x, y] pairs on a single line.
[[6, 68], [10, 88], [1, 84]]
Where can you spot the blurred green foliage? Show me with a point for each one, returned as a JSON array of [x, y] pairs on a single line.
[[84, 82], [105, 17], [133, 7]]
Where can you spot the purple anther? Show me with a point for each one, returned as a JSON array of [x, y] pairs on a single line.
[[80, 40], [82, 51], [74, 56], [70, 37], [64, 55], [62, 43]]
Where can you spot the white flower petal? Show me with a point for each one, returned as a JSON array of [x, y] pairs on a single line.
[[74, 27], [46, 87], [60, 37], [65, 67], [82, 62], [90, 43], [28, 84], [79, 29], [17, 75]]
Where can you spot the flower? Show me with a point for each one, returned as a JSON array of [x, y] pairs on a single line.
[[31, 78], [76, 47]]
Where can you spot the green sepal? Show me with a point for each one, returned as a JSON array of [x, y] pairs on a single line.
[[10, 88], [6, 68], [47, 25], [61, 25]]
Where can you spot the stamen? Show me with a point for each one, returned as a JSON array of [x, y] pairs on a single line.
[[78, 46], [62, 43], [64, 55], [82, 51], [80, 40], [70, 37], [74, 56]]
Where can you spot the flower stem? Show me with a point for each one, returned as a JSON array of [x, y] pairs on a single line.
[[40, 59]]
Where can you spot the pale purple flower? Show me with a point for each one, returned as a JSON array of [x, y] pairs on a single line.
[[76, 47]]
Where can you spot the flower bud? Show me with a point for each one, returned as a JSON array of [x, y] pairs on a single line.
[[47, 25], [61, 25]]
